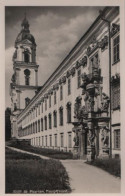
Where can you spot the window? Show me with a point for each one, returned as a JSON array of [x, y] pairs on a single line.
[[61, 115], [79, 78], [117, 138], [46, 139], [50, 101], [62, 139], [42, 140], [115, 96], [41, 124], [55, 140], [70, 140], [116, 48], [50, 137], [69, 86], [42, 107], [38, 109], [45, 118], [45, 105], [50, 124], [68, 112], [39, 141], [36, 126], [61, 93], [55, 118], [26, 57], [54, 97], [27, 76]]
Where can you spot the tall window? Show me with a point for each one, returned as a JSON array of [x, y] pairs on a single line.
[[70, 140], [55, 140], [41, 124], [54, 97], [61, 115], [61, 92], [38, 125], [42, 107], [45, 104], [50, 140], [79, 78], [27, 76], [26, 57], [68, 112], [45, 118], [50, 101], [46, 139], [62, 139], [117, 138], [55, 118], [42, 140], [69, 86], [50, 123], [116, 48], [38, 109], [116, 96]]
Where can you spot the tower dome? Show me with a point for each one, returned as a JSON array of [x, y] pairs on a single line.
[[25, 33]]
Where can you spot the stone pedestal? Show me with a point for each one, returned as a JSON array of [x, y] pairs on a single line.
[[90, 153], [76, 152]]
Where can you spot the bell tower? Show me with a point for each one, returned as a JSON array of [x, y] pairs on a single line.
[[25, 70]]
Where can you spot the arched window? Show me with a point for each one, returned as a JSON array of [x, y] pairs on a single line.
[[50, 123], [61, 115], [55, 118], [68, 106], [26, 56], [27, 76]]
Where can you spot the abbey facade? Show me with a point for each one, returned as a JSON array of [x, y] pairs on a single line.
[[78, 108]]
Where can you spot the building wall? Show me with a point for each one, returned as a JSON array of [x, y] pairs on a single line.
[[29, 116]]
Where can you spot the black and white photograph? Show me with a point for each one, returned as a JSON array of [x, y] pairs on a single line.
[[62, 99]]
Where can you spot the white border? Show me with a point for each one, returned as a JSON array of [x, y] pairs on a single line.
[[3, 3]]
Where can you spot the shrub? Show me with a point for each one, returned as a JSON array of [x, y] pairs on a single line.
[[113, 166], [56, 154]]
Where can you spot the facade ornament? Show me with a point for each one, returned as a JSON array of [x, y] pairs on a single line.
[[56, 86], [50, 92], [76, 140], [91, 138], [77, 64], [105, 103], [105, 136], [46, 96], [73, 71], [115, 78], [68, 73], [83, 61], [103, 43], [63, 80], [115, 28]]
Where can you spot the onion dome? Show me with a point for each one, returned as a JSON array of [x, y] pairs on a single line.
[[25, 33]]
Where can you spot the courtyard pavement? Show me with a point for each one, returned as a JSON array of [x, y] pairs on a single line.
[[85, 178]]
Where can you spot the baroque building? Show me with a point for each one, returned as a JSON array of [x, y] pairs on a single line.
[[78, 108]]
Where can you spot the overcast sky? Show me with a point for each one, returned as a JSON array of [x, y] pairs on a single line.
[[56, 31]]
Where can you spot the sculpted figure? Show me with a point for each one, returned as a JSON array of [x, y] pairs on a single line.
[[105, 102], [91, 137], [105, 136]]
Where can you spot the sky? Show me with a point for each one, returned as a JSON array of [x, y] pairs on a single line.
[[56, 31]]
